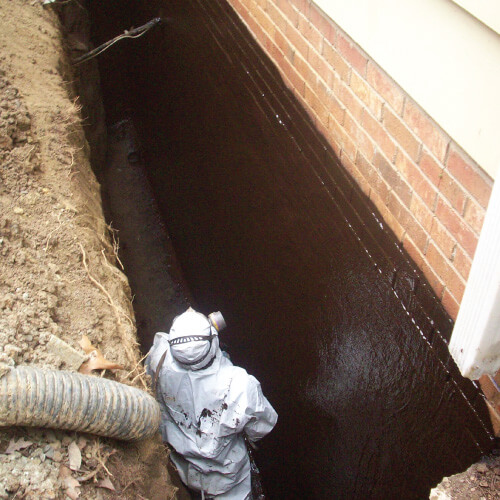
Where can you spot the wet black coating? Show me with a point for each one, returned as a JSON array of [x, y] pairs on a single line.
[[323, 306]]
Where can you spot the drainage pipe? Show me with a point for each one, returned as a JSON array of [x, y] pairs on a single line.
[[37, 397]]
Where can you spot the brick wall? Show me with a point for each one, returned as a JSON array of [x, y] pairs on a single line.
[[431, 194]]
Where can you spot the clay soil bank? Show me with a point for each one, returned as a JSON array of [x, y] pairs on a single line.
[[59, 271]]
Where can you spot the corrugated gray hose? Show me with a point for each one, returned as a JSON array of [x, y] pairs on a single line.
[[36, 397]]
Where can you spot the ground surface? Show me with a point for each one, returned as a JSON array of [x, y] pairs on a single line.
[[480, 482], [59, 272]]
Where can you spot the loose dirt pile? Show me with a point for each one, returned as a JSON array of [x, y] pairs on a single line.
[[59, 276], [480, 482]]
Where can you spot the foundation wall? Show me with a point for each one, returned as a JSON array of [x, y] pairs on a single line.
[[428, 190]]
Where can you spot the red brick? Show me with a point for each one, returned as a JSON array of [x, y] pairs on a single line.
[[333, 58], [416, 255], [489, 390], [352, 54], [412, 173], [421, 212], [356, 174], [380, 189], [425, 128], [431, 168], [323, 129], [385, 87], [283, 45], [289, 11], [474, 215], [267, 43], [255, 28], [364, 166], [437, 261], [367, 95], [311, 34], [277, 56], [388, 219], [455, 225], [452, 191], [341, 136], [249, 4], [332, 36], [337, 109], [407, 220], [303, 68], [391, 175], [295, 80], [415, 231], [277, 16], [442, 238], [301, 5], [494, 412], [359, 136], [266, 23], [242, 10], [462, 262], [320, 20], [297, 40], [455, 285], [450, 304], [322, 68], [333, 141], [401, 133], [470, 176], [351, 102], [319, 109], [432, 277], [330, 101], [379, 135]]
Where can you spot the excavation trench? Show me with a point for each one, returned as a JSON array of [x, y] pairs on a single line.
[[210, 154]]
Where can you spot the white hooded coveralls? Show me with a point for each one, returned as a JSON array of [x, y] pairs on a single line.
[[207, 407]]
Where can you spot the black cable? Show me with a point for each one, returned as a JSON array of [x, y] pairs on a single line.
[[134, 33]]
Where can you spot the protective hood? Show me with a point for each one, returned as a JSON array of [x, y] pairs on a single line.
[[193, 340]]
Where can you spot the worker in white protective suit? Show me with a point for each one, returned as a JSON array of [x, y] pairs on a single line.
[[208, 407]]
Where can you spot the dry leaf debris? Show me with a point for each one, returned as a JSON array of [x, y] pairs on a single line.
[[96, 360]]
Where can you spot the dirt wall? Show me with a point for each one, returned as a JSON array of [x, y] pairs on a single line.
[[59, 272]]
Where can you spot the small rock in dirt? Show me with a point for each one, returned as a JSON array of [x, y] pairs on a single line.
[[483, 484], [12, 351], [66, 441], [82, 442], [70, 356], [75, 456], [18, 210], [6, 142], [6, 364], [23, 122], [482, 468]]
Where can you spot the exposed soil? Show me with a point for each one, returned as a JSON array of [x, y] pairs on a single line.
[[480, 481], [59, 272]]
